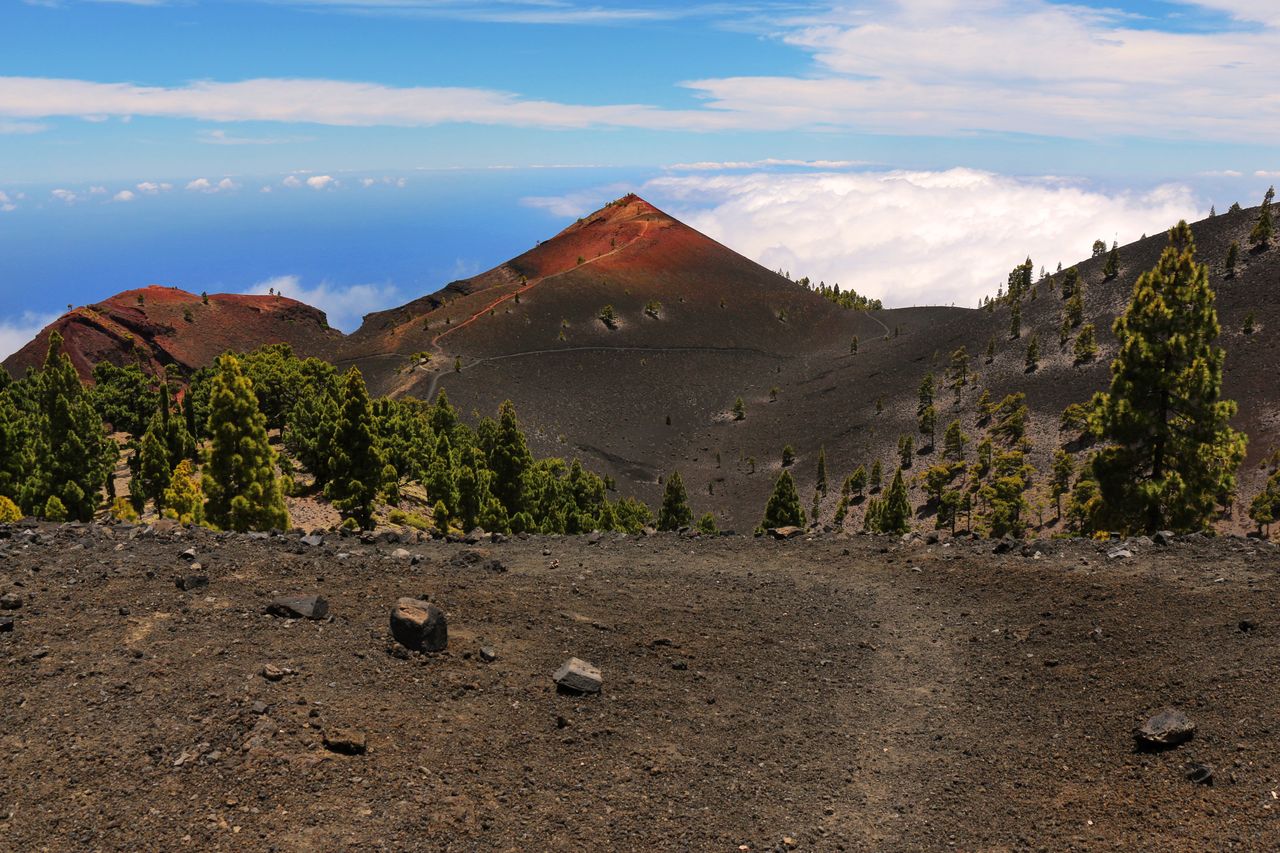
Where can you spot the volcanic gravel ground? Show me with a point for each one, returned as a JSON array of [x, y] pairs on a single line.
[[835, 693]]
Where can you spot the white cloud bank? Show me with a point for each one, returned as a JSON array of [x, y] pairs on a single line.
[[914, 238], [16, 333], [345, 306]]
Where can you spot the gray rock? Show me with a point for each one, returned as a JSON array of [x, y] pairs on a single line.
[[1201, 774], [190, 582], [577, 676], [6, 625], [401, 554], [1163, 537], [1119, 554], [10, 601], [790, 532], [1165, 730], [419, 625], [189, 554], [299, 607], [488, 654], [314, 540]]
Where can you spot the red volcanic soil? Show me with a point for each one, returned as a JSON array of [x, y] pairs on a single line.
[[158, 326]]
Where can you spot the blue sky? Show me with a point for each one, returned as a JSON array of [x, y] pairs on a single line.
[[362, 152]]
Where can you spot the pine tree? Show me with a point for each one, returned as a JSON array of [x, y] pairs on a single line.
[[1233, 254], [154, 470], [1266, 504], [509, 460], [1112, 268], [355, 464], [1033, 353], [906, 450], [1063, 469], [16, 449], [953, 441], [739, 410], [72, 455], [853, 346], [1260, 236], [1086, 348], [984, 406], [783, 509], [1074, 312], [857, 482], [1170, 451], [822, 471], [927, 421], [990, 354], [895, 513], [183, 500], [240, 484], [440, 479], [444, 417], [675, 512], [876, 480]]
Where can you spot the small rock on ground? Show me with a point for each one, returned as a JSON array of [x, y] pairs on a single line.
[[577, 676], [1164, 730], [299, 607]]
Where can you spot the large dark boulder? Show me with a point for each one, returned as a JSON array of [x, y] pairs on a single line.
[[419, 625]]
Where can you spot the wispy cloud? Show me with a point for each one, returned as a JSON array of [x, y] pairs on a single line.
[[204, 185], [768, 163], [21, 127], [221, 137]]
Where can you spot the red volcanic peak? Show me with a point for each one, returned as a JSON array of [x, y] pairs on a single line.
[[159, 326]]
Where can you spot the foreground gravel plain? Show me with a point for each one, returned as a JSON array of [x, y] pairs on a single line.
[[823, 693]]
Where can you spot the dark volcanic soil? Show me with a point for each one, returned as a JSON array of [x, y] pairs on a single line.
[[855, 694]]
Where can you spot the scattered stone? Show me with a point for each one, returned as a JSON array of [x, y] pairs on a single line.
[[1247, 625], [401, 554], [1163, 537], [189, 582], [271, 672], [189, 554], [1005, 545], [1165, 730], [314, 540], [6, 625], [418, 625], [577, 676], [299, 607], [10, 601], [1201, 774], [790, 532], [595, 537], [1119, 554], [488, 654], [346, 741]]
